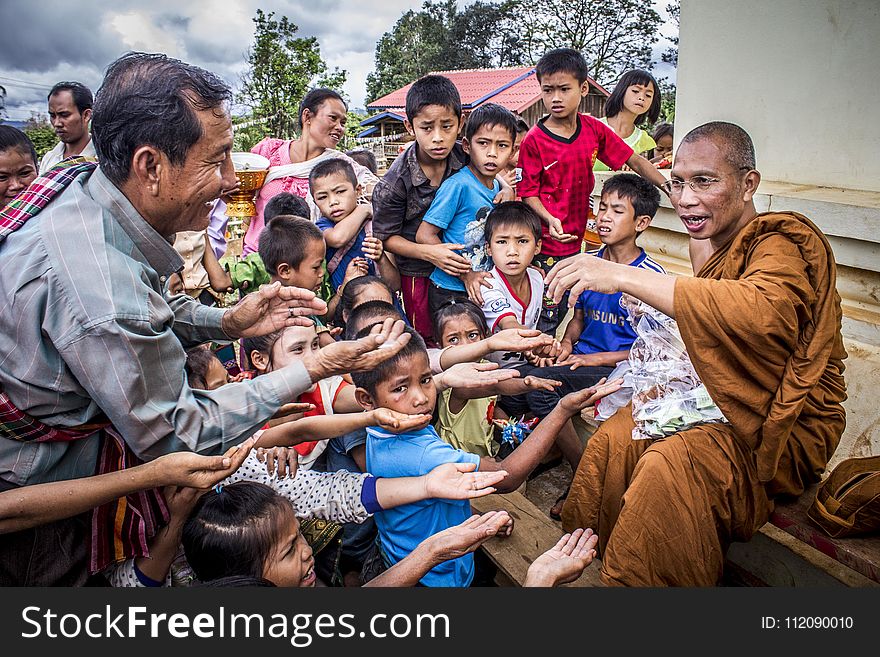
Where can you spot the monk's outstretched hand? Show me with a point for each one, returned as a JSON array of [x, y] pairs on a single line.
[[579, 273]]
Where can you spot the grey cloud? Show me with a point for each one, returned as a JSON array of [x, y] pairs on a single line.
[[47, 33]]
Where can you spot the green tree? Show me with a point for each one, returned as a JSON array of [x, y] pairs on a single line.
[[670, 55], [440, 37], [281, 69], [613, 35], [41, 133]]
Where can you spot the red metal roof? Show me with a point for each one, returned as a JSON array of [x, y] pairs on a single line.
[[514, 88]]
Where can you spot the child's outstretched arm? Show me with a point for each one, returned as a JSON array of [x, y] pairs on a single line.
[[646, 170], [340, 234], [451, 543], [459, 396], [324, 427], [218, 277], [515, 339], [448, 481], [38, 504], [597, 359], [525, 457]]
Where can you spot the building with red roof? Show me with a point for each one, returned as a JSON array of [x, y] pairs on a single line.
[[515, 88]]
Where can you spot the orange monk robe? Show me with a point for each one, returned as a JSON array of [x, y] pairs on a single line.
[[761, 322]]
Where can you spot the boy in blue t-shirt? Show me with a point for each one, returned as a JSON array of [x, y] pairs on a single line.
[[346, 225], [404, 381], [459, 209], [599, 334]]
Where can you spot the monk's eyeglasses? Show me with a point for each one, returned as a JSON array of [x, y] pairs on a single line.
[[697, 184]]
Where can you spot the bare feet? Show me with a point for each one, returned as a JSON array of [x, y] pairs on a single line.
[[556, 509]]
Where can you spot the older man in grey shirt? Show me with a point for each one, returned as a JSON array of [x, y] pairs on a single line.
[[85, 330]]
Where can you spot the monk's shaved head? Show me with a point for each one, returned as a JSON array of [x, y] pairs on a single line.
[[735, 142]]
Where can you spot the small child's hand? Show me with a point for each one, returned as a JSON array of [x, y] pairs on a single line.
[[181, 500], [281, 460], [509, 177], [447, 258], [356, 268], [373, 248], [539, 383], [506, 529], [550, 350], [473, 281], [398, 422], [565, 349], [575, 401], [580, 360], [557, 232]]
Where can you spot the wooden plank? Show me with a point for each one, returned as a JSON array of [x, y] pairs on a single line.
[[861, 554], [775, 558], [533, 534]]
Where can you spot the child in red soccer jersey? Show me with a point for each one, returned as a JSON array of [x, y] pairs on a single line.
[[557, 157]]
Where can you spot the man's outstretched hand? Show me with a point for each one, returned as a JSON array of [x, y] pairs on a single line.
[[385, 340], [270, 309]]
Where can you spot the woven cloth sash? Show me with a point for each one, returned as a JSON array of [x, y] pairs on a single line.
[[38, 194], [120, 529], [333, 263]]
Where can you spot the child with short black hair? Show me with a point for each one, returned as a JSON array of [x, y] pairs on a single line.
[[457, 213], [292, 250], [346, 225], [514, 294], [286, 203], [360, 290], [404, 382], [250, 272], [557, 154]]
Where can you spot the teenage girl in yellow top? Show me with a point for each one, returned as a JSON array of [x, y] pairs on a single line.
[[635, 99]]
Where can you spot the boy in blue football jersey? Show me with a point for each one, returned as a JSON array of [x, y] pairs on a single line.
[[599, 335]]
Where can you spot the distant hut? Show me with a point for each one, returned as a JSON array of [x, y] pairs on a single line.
[[516, 88]]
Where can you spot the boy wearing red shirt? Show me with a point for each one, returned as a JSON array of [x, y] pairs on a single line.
[[557, 157]]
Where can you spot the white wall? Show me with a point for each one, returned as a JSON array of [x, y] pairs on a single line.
[[801, 76]]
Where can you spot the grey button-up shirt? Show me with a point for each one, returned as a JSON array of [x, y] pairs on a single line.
[[85, 328]]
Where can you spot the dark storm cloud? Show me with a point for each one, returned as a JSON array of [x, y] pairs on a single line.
[[49, 32]]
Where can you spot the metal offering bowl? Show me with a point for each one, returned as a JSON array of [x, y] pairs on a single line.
[[251, 170]]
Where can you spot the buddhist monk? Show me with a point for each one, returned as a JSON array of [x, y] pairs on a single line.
[[761, 322]]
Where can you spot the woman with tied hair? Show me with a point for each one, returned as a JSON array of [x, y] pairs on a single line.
[[322, 117]]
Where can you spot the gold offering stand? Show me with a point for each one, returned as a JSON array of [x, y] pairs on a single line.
[[251, 170]]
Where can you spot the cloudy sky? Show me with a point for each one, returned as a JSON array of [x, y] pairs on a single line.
[[52, 40]]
